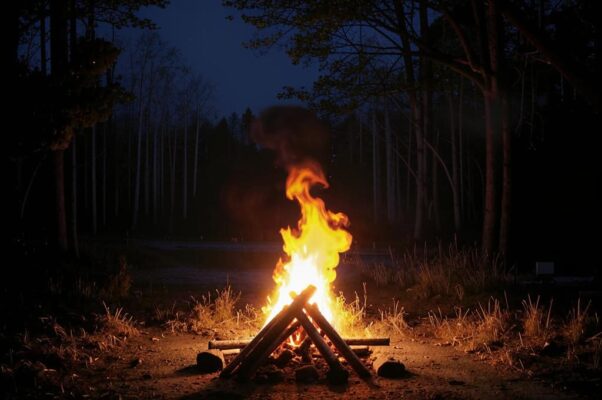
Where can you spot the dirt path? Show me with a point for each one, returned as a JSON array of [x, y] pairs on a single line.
[[166, 370]]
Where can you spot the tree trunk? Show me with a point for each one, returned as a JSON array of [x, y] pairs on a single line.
[[74, 236], [59, 54], [196, 154], [455, 169], [138, 156], [489, 211], [93, 181], [410, 82], [506, 179], [185, 169], [390, 172], [375, 171], [43, 60], [58, 160]]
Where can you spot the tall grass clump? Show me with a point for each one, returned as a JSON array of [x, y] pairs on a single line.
[[453, 272], [537, 322]]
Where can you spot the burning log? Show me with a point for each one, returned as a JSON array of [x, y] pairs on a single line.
[[338, 341], [288, 321], [252, 355], [229, 369], [255, 362], [336, 374], [239, 344]]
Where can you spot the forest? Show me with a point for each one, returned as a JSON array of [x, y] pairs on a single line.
[[458, 139]]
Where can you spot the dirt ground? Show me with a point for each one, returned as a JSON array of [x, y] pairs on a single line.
[[159, 365]]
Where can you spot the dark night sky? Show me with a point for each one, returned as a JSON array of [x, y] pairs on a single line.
[[212, 46]]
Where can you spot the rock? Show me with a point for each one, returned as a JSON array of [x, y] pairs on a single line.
[[210, 361], [135, 362], [273, 374], [283, 358], [306, 374], [337, 376], [552, 349], [389, 367]]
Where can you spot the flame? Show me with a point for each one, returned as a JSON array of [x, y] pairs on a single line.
[[312, 248]]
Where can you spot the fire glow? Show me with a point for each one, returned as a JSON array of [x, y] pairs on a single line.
[[312, 248]]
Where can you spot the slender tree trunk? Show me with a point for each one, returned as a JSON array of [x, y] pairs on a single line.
[[375, 171], [58, 159], [59, 54], [147, 171], [454, 158], [43, 61], [74, 235], [196, 154], [390, 172], [506, 178], [93, 181], [138, 159], [409, 166], [155, 173], [410, 82], [172, 183], [185, 169], [461, 145], [489, 211]]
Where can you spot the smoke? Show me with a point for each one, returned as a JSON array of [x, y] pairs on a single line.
[[294, 133]]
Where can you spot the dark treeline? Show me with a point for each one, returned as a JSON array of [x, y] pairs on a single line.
[[449, 121]]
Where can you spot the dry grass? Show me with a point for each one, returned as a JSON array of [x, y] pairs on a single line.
[[456, 330], [487, 325], [537, 322], [574, 328], [493, 322], [351, 319], [116, 323], [212, 314], [392, 319], [454, 272]]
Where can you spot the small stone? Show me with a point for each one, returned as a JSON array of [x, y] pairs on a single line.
[[283, 358], [210, 361], [389, 367], [273, 374], [552, 349], [135, 362], [306, 374]]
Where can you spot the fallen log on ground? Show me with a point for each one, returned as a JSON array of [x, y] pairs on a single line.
[[239, 344]]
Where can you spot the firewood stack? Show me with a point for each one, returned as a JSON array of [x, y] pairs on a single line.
[[299, 316]]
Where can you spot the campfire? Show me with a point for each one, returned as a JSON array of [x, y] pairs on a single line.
[[301, 312]]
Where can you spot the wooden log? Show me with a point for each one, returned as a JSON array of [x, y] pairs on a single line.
[[210, 361], [249, 368], [228, 344], [376, 341], [239, 344], [389, 367], [337, 373], [274, 335], [338, 342], [229, 369]]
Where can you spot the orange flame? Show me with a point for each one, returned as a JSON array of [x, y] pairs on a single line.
[[312, 248]]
